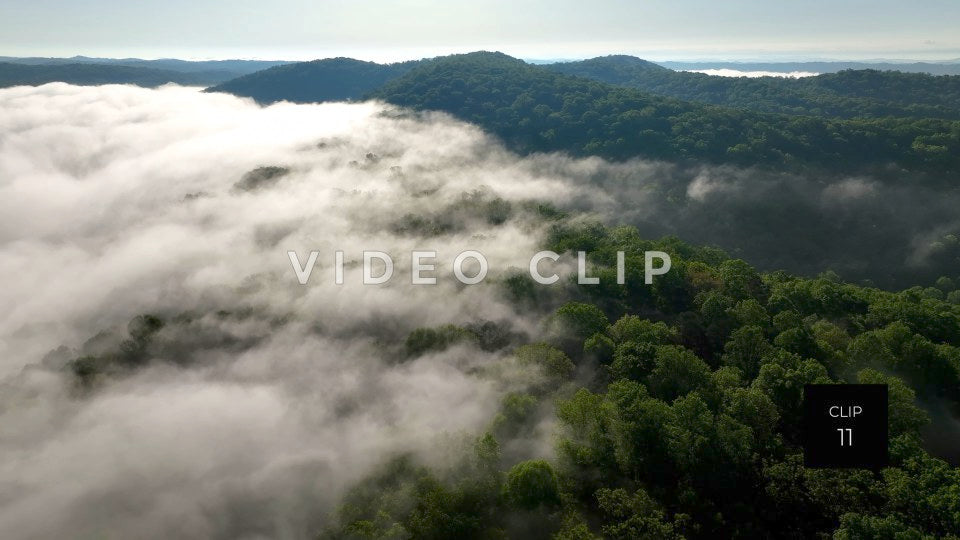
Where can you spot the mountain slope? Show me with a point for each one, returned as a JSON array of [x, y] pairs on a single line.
[[94, 74], [847, 94], [330, 79], [216, 70], [533, 109]]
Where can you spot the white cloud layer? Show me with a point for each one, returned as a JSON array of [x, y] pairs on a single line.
[[272, 397], [117, 201], [738, 73]]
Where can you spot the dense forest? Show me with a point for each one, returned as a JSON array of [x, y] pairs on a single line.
[[616, 107], [678, 408], [872, 198], [677, 405], [535, 110], [813, 234], [866, 93], [330, 79], [620, 107]]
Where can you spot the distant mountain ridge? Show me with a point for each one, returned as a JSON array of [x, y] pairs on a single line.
[[537, 109], [329, 79], [96, 74], [621, 107], [860, 94], [241, 67], [845, 94], [86, 70]]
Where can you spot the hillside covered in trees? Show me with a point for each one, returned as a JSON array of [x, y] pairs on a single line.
[[535, 110], [620, 107], [616, 107], [87, 74], [330, 79], [243, 402], [870, 197], [861, 93], [677, 406], [86, 71]]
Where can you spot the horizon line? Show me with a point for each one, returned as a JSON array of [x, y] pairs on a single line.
[[527, 59]]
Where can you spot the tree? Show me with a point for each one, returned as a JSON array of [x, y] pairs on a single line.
[[856, 527], [424, 340], [745, 350], [632, 360], [556, 365], [677, 372], [633, 516], [904, 417], [580, 321], [532, 484]]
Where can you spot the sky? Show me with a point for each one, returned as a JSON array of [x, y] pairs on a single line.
[[383, 30]]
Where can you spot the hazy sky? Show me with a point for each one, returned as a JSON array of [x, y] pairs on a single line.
[[392, 30]]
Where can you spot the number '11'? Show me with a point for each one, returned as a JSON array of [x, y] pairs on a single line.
[[846, 439]]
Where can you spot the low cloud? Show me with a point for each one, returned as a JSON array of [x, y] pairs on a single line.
[[259, 411], [738, 73], [268, 398]]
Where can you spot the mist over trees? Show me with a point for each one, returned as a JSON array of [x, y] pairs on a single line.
[[835, 123], [191, 387], [678, 412]]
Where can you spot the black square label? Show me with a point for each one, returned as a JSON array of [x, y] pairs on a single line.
[[845, 425]]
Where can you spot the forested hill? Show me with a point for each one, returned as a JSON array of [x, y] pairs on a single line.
[[677, 406], [618, 107], [534, 109], [224, 69], [330, 79], [847, 94], [85, 74]]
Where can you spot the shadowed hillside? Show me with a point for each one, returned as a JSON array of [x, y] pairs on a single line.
[[331, 79]]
